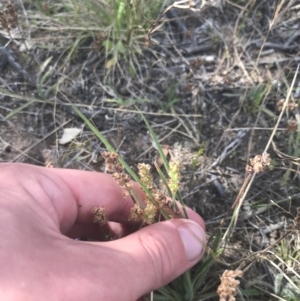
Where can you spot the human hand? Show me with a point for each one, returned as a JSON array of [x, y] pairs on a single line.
[[40, 208]]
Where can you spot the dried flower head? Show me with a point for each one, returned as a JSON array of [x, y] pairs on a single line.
[[292, 125], [145, 175], [114, 167], [258, 163], [99, 215], [137, 213], [112, 162], [228, 287], [149, 213], [291, 105], [158, 196], [146, 214], [8, 16], [124, 182]]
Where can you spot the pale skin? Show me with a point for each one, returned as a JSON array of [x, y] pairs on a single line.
[[42, 210]]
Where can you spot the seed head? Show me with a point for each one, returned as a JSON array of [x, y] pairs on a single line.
[[99, 215], [174, 174], [116, 169], [8, 16], [258, 163], [145, 175], [228, 287]]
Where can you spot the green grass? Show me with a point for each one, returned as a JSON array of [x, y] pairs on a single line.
[[256, 95], [119, 27]]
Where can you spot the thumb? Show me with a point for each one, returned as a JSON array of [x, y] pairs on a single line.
[[160, 253]]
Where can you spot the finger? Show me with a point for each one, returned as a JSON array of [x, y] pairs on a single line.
[[125, 269], [73, 193], [91, 189], [153, 256], [116, 230]]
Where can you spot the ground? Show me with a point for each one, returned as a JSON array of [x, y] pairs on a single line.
[[211, 78]]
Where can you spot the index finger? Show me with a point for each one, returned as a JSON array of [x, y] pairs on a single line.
[[69, 195]]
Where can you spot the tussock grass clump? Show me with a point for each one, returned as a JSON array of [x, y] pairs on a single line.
[[118, 28]]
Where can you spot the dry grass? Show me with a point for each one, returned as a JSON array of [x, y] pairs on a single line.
[[211, 85]]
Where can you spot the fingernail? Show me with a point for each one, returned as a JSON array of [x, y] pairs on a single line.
[[193, 238]]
